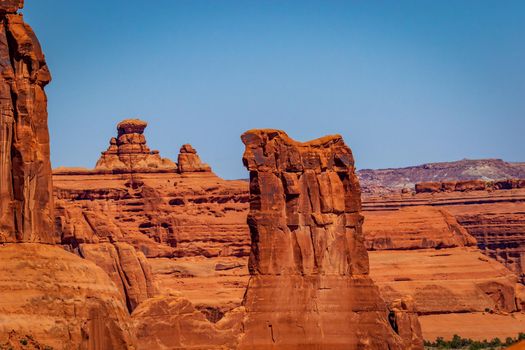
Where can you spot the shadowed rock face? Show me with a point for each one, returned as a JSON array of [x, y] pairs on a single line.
[[309, 282], [25, 170]]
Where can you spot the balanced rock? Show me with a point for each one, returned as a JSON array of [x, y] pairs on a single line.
[[130, 153], [11, 6], [189, 161], [310, 284]]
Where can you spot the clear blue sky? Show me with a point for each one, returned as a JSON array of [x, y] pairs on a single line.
[[404, 82]]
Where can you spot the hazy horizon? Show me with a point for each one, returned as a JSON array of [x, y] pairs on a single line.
[[404, 83]]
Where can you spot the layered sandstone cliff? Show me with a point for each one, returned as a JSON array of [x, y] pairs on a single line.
[[309, 284], [48, 295], [25, 171]]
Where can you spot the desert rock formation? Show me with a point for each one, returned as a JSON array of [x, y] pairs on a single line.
[[192, 229], [128, 152], [309, 282], [190, 162], [26, 207], [386, 180], [47, 294]]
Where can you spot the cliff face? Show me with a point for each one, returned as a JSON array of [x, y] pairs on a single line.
[[308, 257], [26, 207], [185, 211], [57, 298]]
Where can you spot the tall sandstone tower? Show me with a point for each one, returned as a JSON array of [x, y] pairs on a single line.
[[309, 285], [25, 170]]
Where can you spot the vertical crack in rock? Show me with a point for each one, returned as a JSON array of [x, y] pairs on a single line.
[[308, 263]]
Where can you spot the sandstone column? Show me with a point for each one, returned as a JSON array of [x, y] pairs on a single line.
[[309, 285], [25, 170]]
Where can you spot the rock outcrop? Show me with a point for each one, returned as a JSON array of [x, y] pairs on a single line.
[[127, 268], [172, 322], [128, 152], [418, 227], [26, 207], [60, 300], [470, 185], [190, 162], [309, 284], [394, 179], [48, 295]]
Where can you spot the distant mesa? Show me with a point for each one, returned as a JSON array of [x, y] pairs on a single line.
[[129, 153]]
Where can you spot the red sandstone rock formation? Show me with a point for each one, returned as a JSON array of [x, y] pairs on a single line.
[[470, 185], [47, 294], [309, 266], [129, 152], [414, 228], [128, 269], [25, 171], [190, 162], [172, 322]]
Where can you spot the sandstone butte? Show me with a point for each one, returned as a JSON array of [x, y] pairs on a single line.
[[191, 226], [309, 281]]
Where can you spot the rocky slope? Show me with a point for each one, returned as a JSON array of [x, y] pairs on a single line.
[[384, 180]]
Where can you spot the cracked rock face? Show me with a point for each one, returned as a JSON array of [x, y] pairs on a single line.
[[25, 170], [309, 282]]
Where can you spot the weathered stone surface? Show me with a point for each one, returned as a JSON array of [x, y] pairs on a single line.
[[10, 6], [308, 257], [414, 228], [160, 214], [128, 269], [190, 162], [470, 185], [60, 299], [130, 153], [171, 322], [26, 208], [394, 179]]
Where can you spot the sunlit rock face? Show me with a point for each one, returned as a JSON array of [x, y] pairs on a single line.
[[47, 294], [128, 152], [309, 284], [25, 170]]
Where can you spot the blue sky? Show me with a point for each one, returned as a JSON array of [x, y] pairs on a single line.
[[404, 82]]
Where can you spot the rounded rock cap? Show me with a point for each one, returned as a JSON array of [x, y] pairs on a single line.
[[131, 126]]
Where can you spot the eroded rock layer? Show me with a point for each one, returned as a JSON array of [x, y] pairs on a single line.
[[309, 282]]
